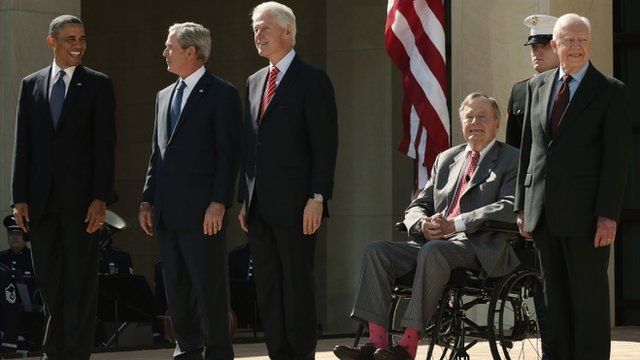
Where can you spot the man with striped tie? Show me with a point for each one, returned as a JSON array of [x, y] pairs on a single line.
[[291, 139], [470, 184]]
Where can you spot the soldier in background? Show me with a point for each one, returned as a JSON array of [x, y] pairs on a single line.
[[542, 58]]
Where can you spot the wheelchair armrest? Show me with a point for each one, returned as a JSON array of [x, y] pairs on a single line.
[[400, 227], [501, 226], [491, 225]]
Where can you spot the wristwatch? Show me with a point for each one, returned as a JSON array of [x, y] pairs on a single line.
[[318, 198]]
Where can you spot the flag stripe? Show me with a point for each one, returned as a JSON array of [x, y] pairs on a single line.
[[415, 42]]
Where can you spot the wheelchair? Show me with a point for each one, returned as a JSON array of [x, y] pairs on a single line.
[[511, 325]]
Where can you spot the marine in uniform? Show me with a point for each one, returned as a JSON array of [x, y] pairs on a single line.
[[542, 58]]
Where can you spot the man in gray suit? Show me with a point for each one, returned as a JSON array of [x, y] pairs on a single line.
[[573, 168], [470, 184]]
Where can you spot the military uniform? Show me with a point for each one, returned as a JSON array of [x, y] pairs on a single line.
[[515, 112], [17, 262]]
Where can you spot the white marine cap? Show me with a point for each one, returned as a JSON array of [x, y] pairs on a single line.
[[541, 28]]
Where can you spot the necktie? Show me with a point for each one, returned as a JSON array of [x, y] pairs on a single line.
[[454, 210], [176, 105], [271, 90], [562, 100], [56, 100]]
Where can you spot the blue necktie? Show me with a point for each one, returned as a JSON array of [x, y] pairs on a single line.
[[57, 98], [175, 106]]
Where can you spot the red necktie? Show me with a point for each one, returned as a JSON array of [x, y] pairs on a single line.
[[454, 210], [271, 90], [562, 100]]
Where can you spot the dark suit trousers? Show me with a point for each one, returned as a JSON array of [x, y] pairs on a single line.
[[195, 278], [577, 293], [65, 261], [283, 264]]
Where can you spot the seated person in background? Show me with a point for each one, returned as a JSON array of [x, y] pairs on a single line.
[[470, 184], [18, 256], [113, 260]]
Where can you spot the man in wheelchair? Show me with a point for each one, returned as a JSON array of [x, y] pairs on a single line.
[[470, 184]]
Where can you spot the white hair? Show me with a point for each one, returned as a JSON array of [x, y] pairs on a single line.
[[568, 19], [282, 14]]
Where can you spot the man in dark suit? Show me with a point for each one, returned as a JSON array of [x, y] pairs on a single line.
[[291, 144], [189, 185], [470, 184], [571, 182], [63, 171], [543, 59]]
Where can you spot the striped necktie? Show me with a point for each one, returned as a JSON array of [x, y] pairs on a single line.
[[271, 90]]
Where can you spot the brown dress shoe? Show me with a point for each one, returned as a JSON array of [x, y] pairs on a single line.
[[363, 352], [395, 353]]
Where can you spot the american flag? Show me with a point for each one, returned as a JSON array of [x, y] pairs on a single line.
[[415, 41]]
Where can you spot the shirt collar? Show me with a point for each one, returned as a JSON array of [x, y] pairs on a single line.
[[283, 64], [484, 150], [577, 76], [55, 69], [193, 79]]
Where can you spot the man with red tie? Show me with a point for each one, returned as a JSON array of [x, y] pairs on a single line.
[[291, 139], [470, 184], [573, 168]]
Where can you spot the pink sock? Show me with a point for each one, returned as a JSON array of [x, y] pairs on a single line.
[[378, 335], [409, 341]]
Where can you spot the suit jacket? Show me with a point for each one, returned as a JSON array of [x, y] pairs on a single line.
[[515, 113], [291, 151], [197, 163], [580, 173], [73, 164], [488, 196]]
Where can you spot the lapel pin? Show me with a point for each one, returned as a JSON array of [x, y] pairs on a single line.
[[201, 90], [79, 84]]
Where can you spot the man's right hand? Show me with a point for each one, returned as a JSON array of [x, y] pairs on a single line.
[[145, 217], [520, 222], [21, 214], [242, 217]]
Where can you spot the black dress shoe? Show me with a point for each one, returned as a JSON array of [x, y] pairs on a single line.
[[395, 353], [364, 352]]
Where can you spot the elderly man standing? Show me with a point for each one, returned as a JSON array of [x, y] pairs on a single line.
[[571, 181], [291, 135], [63, 171], [189, 185], [470, 184]]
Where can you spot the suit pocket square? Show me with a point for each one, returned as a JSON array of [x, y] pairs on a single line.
[[528, 179]]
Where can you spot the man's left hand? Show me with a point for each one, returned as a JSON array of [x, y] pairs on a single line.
[[95, 215], [311, 217], [605, 232], [213, 218]]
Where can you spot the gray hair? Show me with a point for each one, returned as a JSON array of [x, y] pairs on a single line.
[[282, 14], [567, 19], [192, 34], [56, 24], [494, 103]]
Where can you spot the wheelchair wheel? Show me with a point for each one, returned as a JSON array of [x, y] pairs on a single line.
[[446, 330], [513, 327]]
